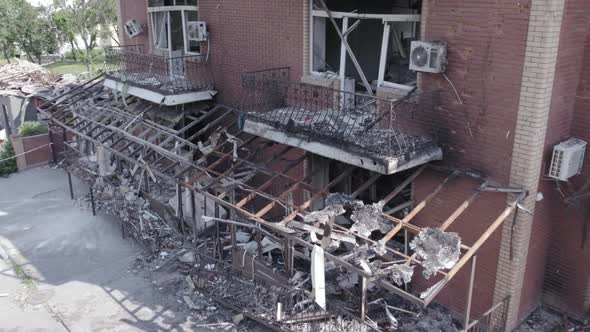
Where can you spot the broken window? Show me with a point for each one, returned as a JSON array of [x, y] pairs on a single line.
[[175, 27], [379, 34], [160, 34], [192, 42]]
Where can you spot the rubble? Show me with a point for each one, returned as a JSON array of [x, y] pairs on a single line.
[[401, 273], [439, 250], [369, 218], [189, 258]]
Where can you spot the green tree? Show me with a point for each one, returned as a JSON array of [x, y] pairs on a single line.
[[35, 34], [89, 20], [64, 25], [7, 159], [8, 35]]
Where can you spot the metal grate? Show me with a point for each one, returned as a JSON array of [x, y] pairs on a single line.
[[164, 75], [389, 127]]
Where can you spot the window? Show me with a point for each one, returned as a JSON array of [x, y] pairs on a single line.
[[379, 34], [161, 26], [163, 3], [192, 26], [175, 26]]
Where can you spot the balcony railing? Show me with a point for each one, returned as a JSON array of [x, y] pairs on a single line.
[[167, 76], [387, 127]]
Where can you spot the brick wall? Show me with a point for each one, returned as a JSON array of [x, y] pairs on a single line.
[[533, 117], [556, 228], [251, 35], [137, 9], [486, 41], [470, 225]]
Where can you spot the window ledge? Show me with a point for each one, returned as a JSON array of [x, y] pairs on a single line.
[[329, 82], [391, 92]]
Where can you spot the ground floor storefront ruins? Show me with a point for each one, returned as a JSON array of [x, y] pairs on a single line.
[[290, 239]]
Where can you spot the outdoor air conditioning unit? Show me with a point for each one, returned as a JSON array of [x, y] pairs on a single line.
[[567, 159], [197, 31], [430, 57], [132, 28]]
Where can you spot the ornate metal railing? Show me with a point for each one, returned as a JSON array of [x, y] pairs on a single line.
[[372, 124], [164, 75]]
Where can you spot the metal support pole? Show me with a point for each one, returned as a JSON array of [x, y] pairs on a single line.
[[259, 242], [470, 293], [71, 187], [52, 146], [194, 216], [180, 209], [92, 202], [364, 284]]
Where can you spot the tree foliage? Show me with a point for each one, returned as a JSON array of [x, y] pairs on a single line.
[[32, 128], [27, 28], [7, 160], [90, 20]]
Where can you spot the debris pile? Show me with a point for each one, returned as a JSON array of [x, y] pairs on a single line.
[[439, 250], [23, 72], [119, 195]]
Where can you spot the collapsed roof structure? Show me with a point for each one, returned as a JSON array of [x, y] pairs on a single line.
[[211, 159]]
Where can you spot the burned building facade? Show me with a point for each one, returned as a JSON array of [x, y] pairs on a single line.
[[328, 86]]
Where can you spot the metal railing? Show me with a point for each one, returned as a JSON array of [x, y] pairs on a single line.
[[371, 124], [164, 75], [493, 320]]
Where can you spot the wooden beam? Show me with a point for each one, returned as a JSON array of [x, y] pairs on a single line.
[[417, 209], [467, 256]]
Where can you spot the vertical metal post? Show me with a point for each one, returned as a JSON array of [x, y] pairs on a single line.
[[259, 241], [146, 180], [364, 284], [287, 256], [406, 253], [71, 187], [92, 202], [52, 146], [180, 209], [217, 230], [470, 293], [194, 216], [233, 217]]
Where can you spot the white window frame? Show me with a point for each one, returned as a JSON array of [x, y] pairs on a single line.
[[156, 33], [185, 32], [387, 19], [167, 10]]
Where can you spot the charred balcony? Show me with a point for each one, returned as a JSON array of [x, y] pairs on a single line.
[[379, 134], [167, 81]]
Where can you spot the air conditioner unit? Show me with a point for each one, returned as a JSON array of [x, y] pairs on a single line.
[[133, 28], [567, 160], [430, 57], [197, 31]]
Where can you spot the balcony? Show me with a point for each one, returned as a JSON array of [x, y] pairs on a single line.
[[382, 135], [166, 81]]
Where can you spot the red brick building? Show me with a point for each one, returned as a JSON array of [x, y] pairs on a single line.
[[520, 70]]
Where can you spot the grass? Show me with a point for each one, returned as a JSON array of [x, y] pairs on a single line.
[[60, 68]]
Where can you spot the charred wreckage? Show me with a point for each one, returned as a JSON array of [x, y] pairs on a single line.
[[260, 236]]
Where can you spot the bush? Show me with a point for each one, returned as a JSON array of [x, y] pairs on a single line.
[[7, 166], [32, 128], [95, 54]]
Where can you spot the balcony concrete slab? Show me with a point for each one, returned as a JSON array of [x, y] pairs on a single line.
[[354, 156], [158, 97]]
